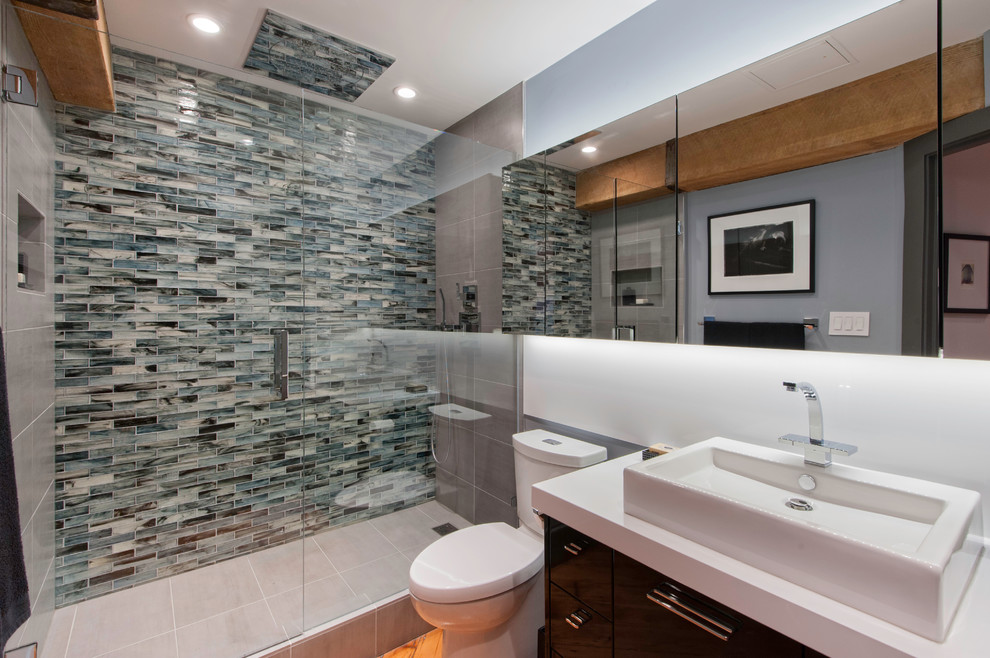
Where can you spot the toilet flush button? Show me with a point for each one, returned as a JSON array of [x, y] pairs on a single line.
[[807, 482]]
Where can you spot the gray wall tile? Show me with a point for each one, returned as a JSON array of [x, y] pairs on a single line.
[[489, 509], [497, 477]]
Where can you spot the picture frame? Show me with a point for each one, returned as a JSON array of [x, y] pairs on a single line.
[[965, 273], [763, 250]]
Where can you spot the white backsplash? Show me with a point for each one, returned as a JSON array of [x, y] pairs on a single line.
[[920, 417]]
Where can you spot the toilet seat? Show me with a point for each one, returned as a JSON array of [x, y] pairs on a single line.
[[475, 563]]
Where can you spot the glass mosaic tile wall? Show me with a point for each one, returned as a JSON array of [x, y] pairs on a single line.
[[200, 217], [546, 246]]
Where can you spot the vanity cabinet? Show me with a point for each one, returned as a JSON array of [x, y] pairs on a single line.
[[601, 603], [657, 616]]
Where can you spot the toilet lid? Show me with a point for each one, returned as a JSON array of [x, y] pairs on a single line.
[[475, 563]]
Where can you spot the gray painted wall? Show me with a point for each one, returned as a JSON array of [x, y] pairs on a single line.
[[28, 320], [858, 242]]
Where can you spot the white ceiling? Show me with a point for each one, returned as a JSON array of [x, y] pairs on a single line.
[[459, 54]]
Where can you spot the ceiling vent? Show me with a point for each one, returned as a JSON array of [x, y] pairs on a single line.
[[803, 63]]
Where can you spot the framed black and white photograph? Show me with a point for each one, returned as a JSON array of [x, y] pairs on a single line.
[[765, 250], [966, 273]]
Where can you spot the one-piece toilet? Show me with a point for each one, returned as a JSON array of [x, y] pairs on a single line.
[[483, 585]]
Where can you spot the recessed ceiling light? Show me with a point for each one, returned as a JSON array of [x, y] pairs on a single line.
[[589, 149], [405, 92], [204, 23]]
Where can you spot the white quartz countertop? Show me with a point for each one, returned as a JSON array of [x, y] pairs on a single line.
[[590, 500]]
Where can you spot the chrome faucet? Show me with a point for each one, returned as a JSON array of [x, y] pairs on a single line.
[[817, 451]]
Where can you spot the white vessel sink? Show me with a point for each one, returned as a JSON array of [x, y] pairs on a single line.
[[895, 547]]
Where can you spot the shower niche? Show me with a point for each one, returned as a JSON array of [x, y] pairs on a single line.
[[30, 247]]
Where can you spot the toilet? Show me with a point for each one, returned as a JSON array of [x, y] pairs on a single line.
[[483, 585]]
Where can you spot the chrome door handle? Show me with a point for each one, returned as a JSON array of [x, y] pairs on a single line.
[[281, 375], [573, 549], [682, 605]]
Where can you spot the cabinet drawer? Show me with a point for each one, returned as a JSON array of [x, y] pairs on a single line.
[[657, 616], [576, 631], [582, 567]]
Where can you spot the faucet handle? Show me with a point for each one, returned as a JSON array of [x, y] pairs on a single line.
[[790, 386], [818, 454]]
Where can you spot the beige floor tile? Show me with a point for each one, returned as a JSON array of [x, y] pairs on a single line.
[[283, 568], [57, 641], [324, 600], [441, 514], [406, 528], [211, 590], [413, 553], [232, 634], [160, 646], [381, 578], [354, 545], [121, 619]]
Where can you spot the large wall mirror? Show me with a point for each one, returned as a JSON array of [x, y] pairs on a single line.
[[793, 176], [590, 234], [965, 244], [791, 203]]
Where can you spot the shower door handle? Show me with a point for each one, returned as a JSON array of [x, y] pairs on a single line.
[[281, 375]]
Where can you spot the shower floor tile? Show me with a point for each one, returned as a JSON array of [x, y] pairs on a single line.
[[213, 590], [243, 605]]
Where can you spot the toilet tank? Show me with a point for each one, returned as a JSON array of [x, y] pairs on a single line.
[[541, 455]]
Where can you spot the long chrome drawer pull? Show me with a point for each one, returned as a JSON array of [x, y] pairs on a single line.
[[697, 622], [573, 548], [678, 598]]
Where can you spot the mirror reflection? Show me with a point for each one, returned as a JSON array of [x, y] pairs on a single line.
[[846, 120], [965, 255]]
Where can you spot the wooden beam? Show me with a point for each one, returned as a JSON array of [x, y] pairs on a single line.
[[635, 177], [872, 114], [88, 9], [74, 53], [868, 115]]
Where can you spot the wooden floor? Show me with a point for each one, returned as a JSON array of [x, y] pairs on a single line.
[[424, 646]]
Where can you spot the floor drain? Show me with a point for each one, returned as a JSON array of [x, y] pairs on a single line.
[[444, 529]]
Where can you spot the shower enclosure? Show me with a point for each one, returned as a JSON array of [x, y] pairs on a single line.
[[246, 354]]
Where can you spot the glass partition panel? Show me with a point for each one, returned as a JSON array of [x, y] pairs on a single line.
[[965, 239], [178, 275], [403, 262], [636, 262], [795, 176]]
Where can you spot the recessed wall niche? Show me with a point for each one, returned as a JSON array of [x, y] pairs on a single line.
[[30, 271]]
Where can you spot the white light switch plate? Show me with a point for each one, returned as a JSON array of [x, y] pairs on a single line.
[[849, 324]]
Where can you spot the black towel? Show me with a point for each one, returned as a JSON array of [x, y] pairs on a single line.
[[15, 605], [778, 335]]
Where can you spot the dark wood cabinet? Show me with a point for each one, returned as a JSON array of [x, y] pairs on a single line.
[[582, 567], [657, 616], [577, 630], [601, 603]]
